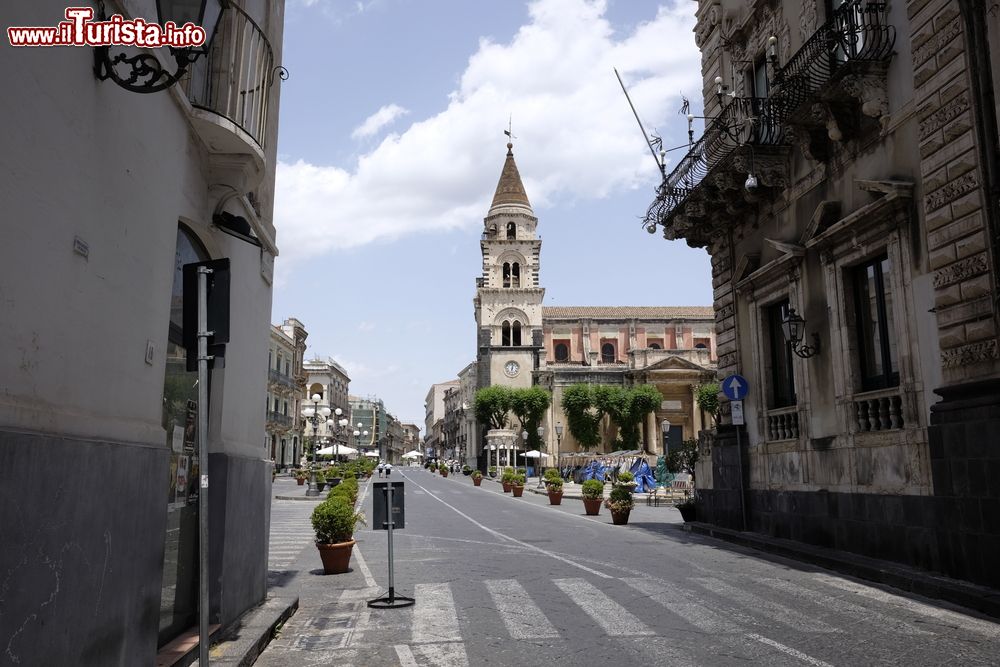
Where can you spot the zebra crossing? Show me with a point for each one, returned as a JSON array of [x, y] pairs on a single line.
[[291, 532], [696, 621]]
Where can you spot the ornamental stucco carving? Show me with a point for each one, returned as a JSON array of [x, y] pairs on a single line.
[[951, 191], [948, 112], [807, 20], [969, 354], [961, 270]]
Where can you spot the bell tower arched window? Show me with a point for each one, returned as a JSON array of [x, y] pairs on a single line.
[[608, 355], [511, 231], [517, 333], [506, 274], [505, 333], [515, 277]]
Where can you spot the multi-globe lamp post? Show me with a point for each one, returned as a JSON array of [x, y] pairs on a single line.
[[314, 415], [357, 436]]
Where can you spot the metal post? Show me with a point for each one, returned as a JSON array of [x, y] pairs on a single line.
[[392, 586], [203, 358], [739, 452], [313, 490]]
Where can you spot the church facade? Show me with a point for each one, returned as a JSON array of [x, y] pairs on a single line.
[[522, 343]]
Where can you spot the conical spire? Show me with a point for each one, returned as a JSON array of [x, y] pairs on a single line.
[[510, 190]]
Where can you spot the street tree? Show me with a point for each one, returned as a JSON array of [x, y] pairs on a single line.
[[491, 405], [529, 405], [583, 417]]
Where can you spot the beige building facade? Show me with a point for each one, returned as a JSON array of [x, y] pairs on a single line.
[[327, 379], [286, 382], [845, 187]]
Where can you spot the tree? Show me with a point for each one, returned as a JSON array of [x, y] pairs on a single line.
[[583, 417], [492, 405], [707, 398], [684, 458], [627, 409], [529, 406]]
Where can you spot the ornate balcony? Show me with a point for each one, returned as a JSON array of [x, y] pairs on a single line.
[[747, 137], [815, 99], [229, 91]]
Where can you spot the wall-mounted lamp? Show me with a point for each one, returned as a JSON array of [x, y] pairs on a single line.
[[143, 73], [772, 48], [793, 326]]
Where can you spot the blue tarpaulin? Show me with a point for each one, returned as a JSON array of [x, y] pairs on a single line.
[[643, 476], [593, 470]]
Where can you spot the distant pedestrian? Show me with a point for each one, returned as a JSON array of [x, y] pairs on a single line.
[[388, 470], [380, 469]]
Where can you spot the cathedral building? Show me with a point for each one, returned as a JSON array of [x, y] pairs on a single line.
[[522, 343]]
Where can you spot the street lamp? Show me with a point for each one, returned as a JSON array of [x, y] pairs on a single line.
[[559, 432], [357, 436], [665, 425], [144, 73], [524, 440], [793, 327], [538, 466], [314, 415]]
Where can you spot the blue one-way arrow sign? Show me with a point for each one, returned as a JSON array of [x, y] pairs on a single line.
[[735, 387]]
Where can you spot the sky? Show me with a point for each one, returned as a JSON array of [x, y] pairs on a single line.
[[391, 145]]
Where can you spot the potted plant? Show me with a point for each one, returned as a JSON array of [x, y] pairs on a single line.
[[466, 470], [592, 493], [477, 477], [320, 480], [443, 469], [620, 501], [301, 476], [492, 471], [334, 521], [506, 479], [688, 509], [517, 484], [555, 491]]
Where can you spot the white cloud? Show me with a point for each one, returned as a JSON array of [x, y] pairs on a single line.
[[366, 326], [384, 116], [576, 137]]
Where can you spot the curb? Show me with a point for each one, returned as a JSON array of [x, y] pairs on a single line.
[[972, 596], [312, 498], [251, 633]]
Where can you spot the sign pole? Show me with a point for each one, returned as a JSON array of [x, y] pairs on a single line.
[[380, 501], [392, 587], [736, 387], [203, 359]]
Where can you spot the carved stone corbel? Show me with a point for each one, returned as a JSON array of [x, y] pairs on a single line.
[[870, 91]]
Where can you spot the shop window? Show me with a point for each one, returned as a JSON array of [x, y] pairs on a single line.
[[877, 353], [779, 359]]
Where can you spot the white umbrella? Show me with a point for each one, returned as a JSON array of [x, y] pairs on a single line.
[[372, 454], [534, 454], [412, 454], [342, 449]]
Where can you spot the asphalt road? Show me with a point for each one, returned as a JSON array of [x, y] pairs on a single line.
[[505, 581]]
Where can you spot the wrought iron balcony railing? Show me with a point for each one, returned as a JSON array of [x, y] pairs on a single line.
[[857, 32], [856, 35], [744, 121], [234, 80], [281, 420], [277, 377]]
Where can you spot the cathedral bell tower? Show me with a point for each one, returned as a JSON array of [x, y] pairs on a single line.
[[508, 299]]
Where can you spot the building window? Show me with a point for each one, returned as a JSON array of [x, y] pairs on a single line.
[[270, 359], [873, 311], [758, 78], [511, 231], [562, 351], [782, 381], [515, 279], [505, 333], [608, 355], [654, 343], [517, 333], [506, 274]]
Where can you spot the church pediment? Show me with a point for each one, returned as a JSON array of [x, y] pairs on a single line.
[[675, 362]]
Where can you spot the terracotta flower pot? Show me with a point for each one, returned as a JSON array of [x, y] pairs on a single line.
[[336, 557], [300, 480], [444, 473], [477, 480], [592, 506], [620, 518], [518, 490], [506, 487], [555, 497]]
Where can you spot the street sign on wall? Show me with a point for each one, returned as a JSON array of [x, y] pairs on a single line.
[[735, 387]]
